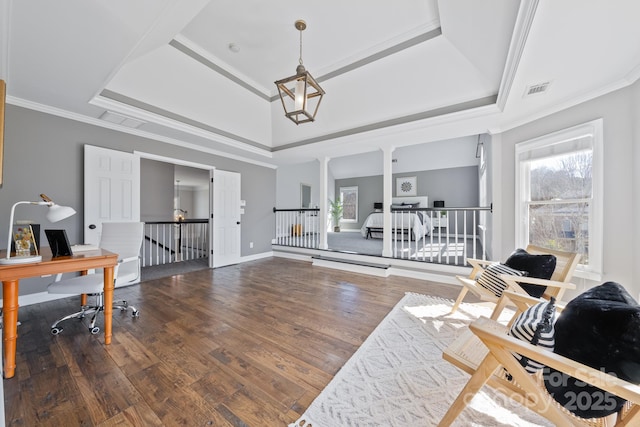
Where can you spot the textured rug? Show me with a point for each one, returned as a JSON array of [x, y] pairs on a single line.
[[398, 377]]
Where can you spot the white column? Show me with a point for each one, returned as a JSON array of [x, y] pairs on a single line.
[[324, 208], [387, 186]]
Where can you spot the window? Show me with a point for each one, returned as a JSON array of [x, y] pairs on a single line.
[[559, 194], [349, 199]]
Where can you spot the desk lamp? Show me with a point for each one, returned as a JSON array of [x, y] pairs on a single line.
[[56, 213]]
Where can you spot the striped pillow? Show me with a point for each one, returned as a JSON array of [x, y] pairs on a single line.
[[535, 325], [490, 277]]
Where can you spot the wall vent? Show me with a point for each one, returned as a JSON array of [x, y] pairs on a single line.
[[112, 117], [537, 88]]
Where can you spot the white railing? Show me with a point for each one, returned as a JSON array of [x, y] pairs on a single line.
[[175, 241], [297, 227], [454, 234]]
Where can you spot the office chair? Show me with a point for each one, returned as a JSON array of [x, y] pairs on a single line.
[[122, 238]]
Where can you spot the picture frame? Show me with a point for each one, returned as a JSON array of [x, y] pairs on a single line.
[[58, 242], [24, 242], [406, 186]]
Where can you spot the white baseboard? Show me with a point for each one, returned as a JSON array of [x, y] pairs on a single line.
[[353, 268], [38, 297], [255, 257]]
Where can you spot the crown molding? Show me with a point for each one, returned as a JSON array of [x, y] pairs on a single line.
[[143, 134], [122, 104], [437, 116], [196, 52], [521, 31], [563, 105]]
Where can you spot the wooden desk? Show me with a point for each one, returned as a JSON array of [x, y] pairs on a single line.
[[10, 276]]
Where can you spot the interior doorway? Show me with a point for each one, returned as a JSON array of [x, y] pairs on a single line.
[[175, 206]]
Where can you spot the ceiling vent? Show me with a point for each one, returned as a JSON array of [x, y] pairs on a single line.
[[537, 89], [110, 116]]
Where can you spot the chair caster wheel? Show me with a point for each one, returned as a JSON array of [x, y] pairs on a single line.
[[94, 330], [55, 331], [135, 313]]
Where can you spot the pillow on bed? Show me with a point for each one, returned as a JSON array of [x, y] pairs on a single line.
[[411, 205]]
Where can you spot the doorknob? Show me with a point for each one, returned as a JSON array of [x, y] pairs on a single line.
[[92, 226], [238, 222]]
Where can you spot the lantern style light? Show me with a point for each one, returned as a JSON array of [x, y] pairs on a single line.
[[300, 94]]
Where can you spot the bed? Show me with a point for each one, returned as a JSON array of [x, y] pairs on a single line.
[[413, 225]]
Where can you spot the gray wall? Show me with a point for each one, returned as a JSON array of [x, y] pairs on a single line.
[[458, 187], [369, 192], [621, 229], [44, 154], [156, 190], [289, 178]]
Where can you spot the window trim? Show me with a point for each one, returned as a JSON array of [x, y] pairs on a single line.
[[350, 188], [560, 140]]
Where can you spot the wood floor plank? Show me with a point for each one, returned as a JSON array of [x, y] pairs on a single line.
[[134, 416], [251, 344]]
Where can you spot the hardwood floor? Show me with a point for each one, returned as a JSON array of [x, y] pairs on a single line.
[[246, 345]]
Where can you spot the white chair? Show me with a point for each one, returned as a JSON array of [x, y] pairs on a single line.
[[122, 238]]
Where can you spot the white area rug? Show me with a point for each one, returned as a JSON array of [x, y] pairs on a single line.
[[398, 377]]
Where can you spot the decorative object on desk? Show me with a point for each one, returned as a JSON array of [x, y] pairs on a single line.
[[24, 240], [58, 242], [56, 213], [35, 228], [335, 210], [300, 94], [406, 186]]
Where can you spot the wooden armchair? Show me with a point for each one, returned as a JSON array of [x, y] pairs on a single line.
[[485, 352], [566, 263]]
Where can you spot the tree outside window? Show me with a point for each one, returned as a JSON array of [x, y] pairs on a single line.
[[559, 189], [561, 192], [349, 198]]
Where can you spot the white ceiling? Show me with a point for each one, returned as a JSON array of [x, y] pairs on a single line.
[[395, 73]]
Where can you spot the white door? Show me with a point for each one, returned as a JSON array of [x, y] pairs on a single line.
[[226, 218], [111, 189]]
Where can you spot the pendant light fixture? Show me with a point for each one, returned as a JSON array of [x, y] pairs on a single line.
[[300, 94]]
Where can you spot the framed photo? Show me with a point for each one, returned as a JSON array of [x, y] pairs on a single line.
[[24, 242], [406, 186]]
